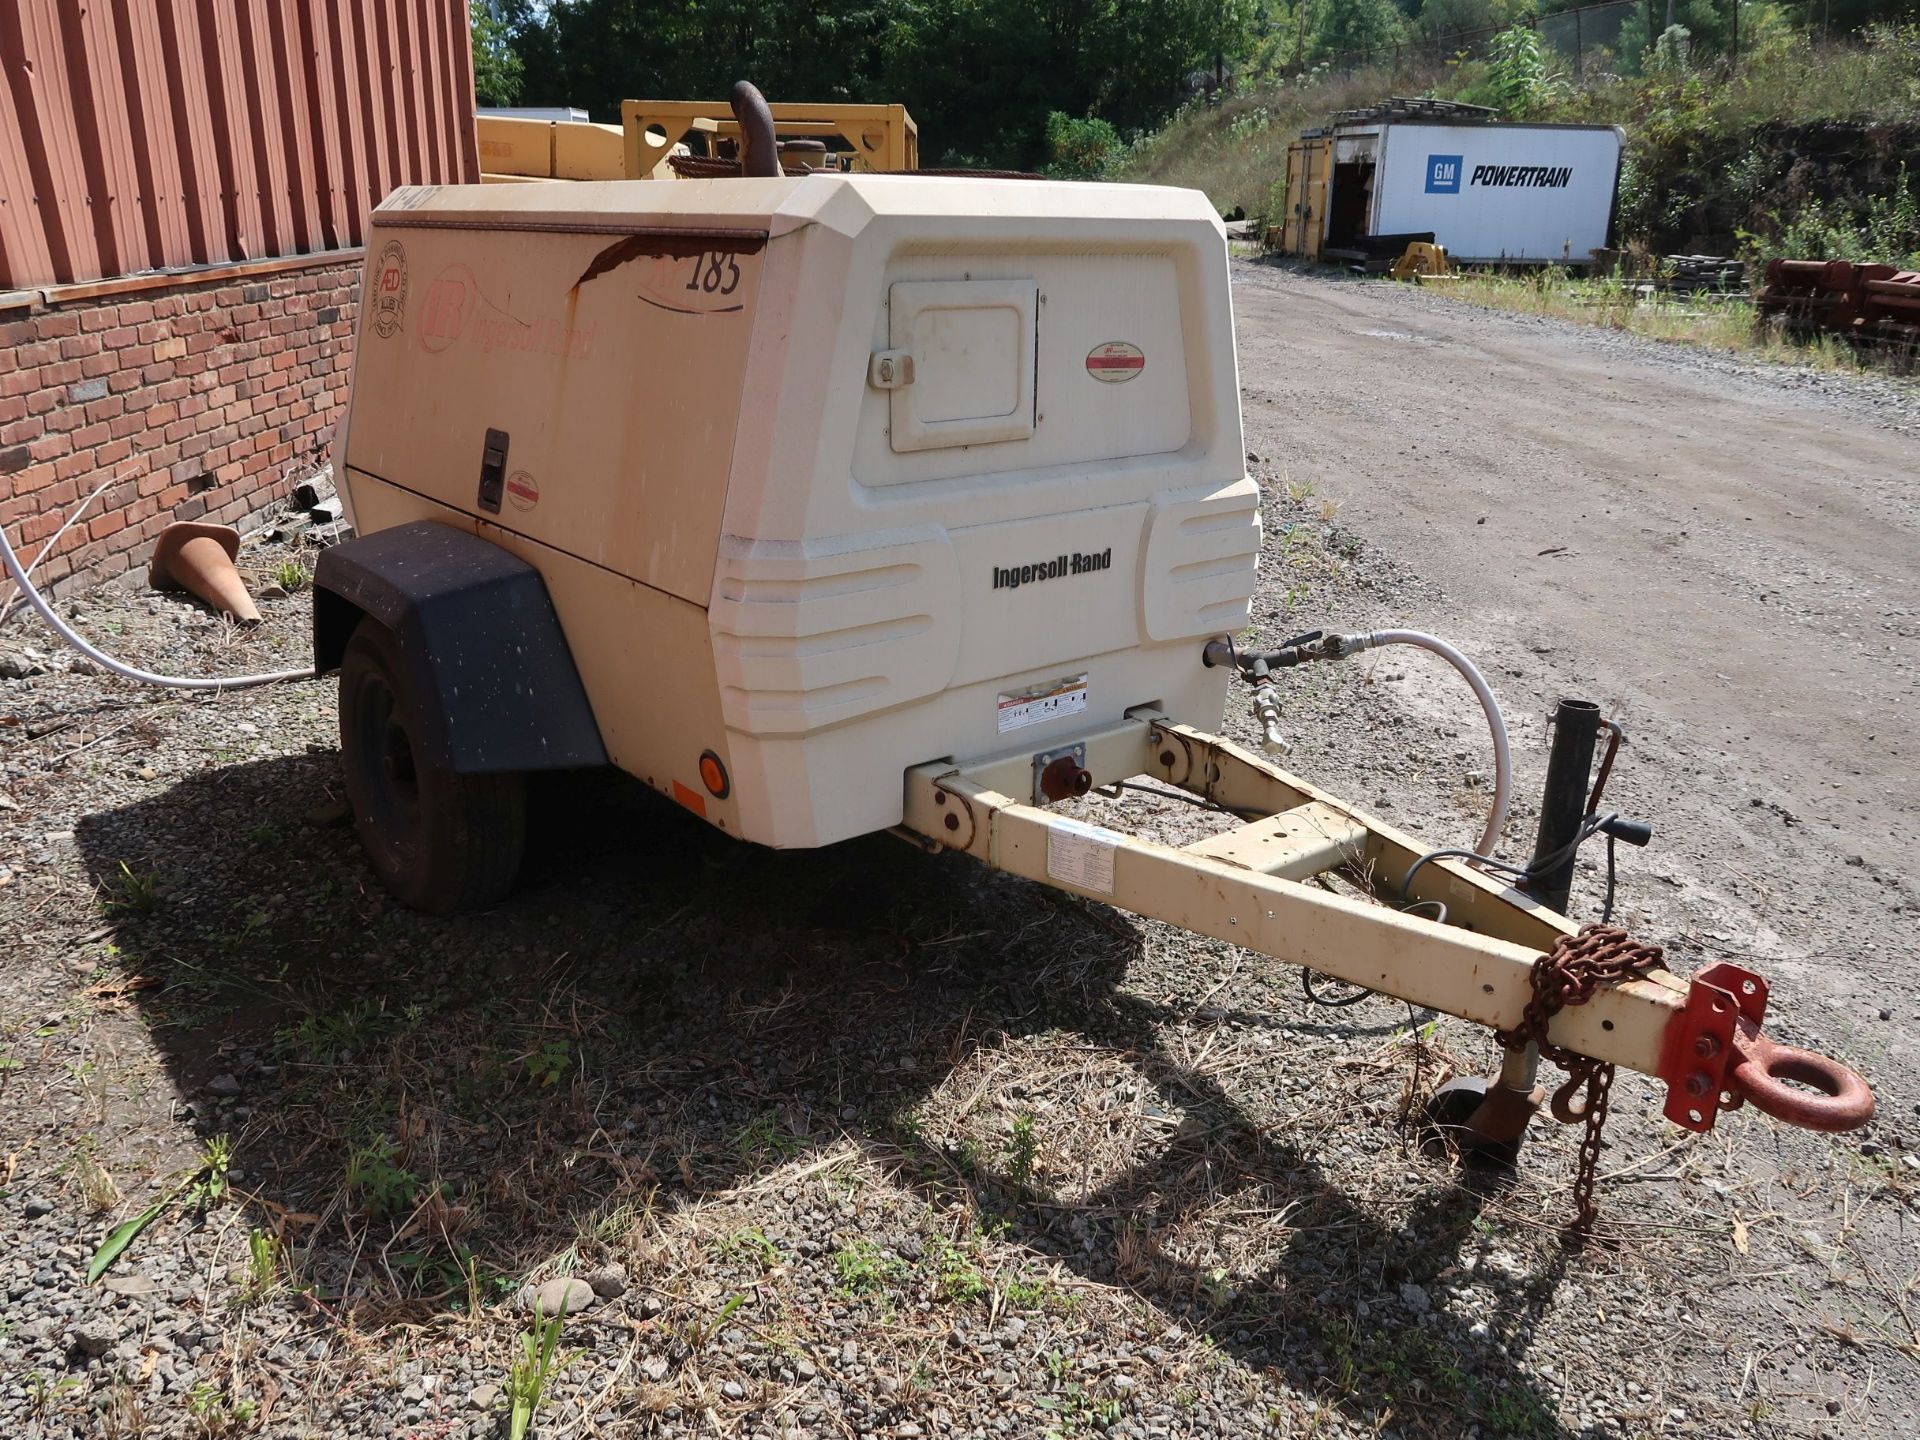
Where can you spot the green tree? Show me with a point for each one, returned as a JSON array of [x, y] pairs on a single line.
[[1079, 149], [1345, 27], [980, 76], [497, 69], [1517, 71]]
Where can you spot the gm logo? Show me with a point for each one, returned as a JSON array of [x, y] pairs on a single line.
[[1443, 174]]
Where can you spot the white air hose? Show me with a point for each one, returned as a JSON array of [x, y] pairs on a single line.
[[146, 677], [1502, 761]]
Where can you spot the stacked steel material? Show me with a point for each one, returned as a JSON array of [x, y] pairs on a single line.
[[1812, 294], [1890, 307], [1876, 305]]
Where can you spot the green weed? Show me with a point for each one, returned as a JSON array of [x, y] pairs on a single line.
[[1023, 1148], [547, 1064], [528, 1376], [956, 1277], [381, 1188], [750, 1246], [292, 576], [215, 1413], [864, 1268], [135, 892], [263, 1262]]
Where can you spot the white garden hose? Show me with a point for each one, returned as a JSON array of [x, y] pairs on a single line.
[[1502, 761], [132, 672]]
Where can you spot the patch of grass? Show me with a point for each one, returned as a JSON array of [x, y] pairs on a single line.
[[292, 576], [549, 1062], [956, 1277], [215, 1413], [263, 1263], [334, 1037], [1613, 303], [97, 1188], [700, 1333], [863, 1268], [1023, 1148], [767, 1135], [750, 1246], [131, 891], [379, 1187], [204, 1185]]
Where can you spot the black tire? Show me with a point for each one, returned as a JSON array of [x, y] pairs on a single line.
[[440, 842]]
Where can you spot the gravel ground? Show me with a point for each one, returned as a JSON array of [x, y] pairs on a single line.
[[864, 1141]]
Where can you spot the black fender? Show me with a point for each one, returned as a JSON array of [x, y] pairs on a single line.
[[481, 638]]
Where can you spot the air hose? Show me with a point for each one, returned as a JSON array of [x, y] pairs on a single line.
[[119, 667], [1496, 724], [1322, 645]]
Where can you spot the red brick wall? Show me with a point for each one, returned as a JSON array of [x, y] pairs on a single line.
[[204, 401]]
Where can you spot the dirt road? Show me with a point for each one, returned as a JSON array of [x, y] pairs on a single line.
[[1726, 557]]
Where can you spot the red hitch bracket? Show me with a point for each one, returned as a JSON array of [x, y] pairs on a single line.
[[1698, 1050], [1716, 1057]]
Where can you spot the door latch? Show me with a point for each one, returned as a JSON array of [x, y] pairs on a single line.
[[890, 370]]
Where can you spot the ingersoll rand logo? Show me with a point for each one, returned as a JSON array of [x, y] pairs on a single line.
[[1014, 576]]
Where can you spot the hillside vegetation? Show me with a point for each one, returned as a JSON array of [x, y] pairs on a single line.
[[1803, 147]]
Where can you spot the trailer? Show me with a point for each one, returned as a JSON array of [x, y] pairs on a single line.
[[1488, 192], [836, 504]]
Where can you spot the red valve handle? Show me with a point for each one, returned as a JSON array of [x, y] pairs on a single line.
[[1760, 1065]]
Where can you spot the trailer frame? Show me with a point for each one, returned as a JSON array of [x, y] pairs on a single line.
[[1477, 959]]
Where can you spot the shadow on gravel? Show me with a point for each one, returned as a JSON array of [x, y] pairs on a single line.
[[424, 1108]]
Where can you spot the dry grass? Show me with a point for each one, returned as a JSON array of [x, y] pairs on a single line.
[[1612, 304]]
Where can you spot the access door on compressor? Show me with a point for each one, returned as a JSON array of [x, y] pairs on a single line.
[[961, 364]]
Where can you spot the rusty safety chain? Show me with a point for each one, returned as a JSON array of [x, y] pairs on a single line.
[[1567, 975]]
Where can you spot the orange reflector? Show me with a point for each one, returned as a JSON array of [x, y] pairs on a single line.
[[691, 798], [714, 775]]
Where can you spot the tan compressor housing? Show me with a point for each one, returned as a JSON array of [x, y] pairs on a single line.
[[826, 477]]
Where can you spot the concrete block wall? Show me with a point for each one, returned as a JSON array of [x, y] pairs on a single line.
[[203, 401]]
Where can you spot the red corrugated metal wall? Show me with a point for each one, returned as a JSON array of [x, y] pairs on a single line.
[[154, 134]]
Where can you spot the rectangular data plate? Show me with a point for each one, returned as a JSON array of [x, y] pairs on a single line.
[[1037, 704]]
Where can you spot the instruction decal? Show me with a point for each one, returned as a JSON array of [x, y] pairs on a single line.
[[1039, 703], [1081, 855], [1116, 361]]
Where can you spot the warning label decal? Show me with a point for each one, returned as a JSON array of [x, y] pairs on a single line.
[[1081, 855], [1039, 703]]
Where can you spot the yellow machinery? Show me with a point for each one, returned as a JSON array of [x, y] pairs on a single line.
[[515, 150], [878, 137], [1423, 262]]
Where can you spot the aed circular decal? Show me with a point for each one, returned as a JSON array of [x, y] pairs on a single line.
[[523, 490], [1115, 362], [390, 290]]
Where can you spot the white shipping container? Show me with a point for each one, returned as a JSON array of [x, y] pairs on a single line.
[[1491, 193]]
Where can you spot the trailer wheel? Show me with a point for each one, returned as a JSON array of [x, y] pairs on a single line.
[[440, 842]]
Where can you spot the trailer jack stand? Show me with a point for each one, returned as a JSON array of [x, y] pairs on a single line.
[[1484, 1121]]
